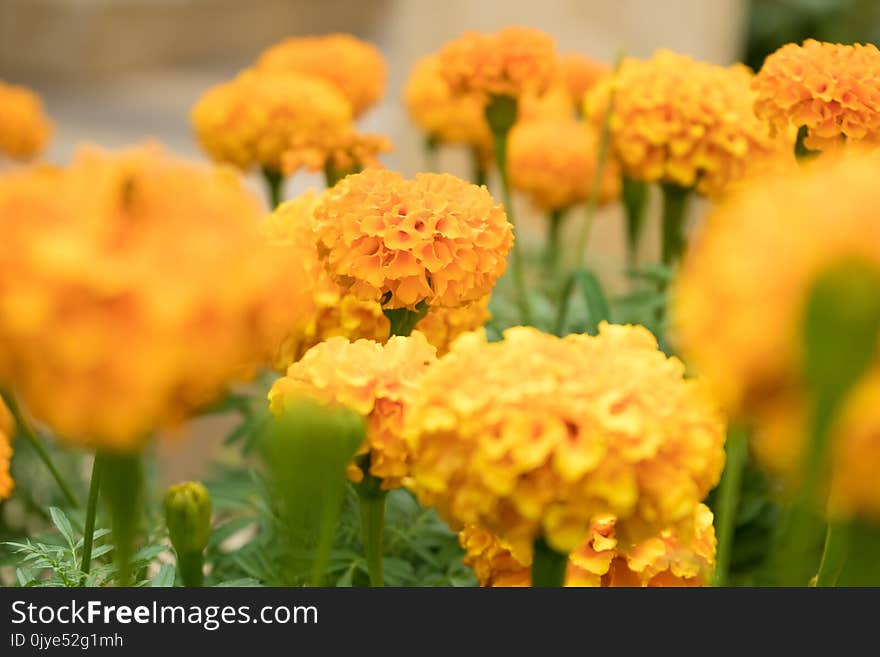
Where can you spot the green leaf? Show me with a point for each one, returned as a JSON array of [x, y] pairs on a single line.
[[594, 298], [240, 582], [164, 578], [62, 524]]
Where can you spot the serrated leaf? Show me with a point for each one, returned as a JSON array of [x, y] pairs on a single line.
[[164, 578], [62, 524]]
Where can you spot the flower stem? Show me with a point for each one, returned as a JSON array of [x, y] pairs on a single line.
[[372, 509], [30, 434], [675, 200], [837, 543], [274, 182], [479, 169], [91, 513], [404, 320], [548, 565], [635, 198], [728, 501], [501, 115], [190, 566], [552, 251]]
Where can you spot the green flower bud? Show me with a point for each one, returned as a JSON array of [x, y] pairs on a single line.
[[188, 516]]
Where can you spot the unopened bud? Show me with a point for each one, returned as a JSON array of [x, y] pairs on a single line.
[[188, 516]]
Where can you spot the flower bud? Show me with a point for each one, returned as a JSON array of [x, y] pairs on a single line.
[[188, 516]]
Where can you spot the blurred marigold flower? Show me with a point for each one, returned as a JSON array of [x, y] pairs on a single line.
[[340, 153], [435, 239], [554, 161], [377, 381], [259, 118], [831, 89], [683, 555], [738, 314], [535, 435], [505, 63], [7, 430], [133, 288], [444, 116], [581, 73], [24, 127], [337, 312], [355, 67], [680, 121]]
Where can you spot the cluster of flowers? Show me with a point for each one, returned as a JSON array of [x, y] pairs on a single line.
[[599, 445]]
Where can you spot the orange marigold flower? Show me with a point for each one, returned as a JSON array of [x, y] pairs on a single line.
[[683, 555], [831, 89], [436, 239], [544, 433], [679, 121], [259, 117], [442, 326], [341, 153], [446, 117], [6, 433], [554, 162], [377, 381], [133, 288], [737, 314], [581, 73], [355, 67], [555, 102], [506, 63], [24, 127]]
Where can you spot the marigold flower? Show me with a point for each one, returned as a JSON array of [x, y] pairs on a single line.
[[355, 67], [259, 117], [545, 433], [6, 433], [554, 162], [24, 127], [679, 121], [581, 73], [349, 152], [435, 239], [738, 313], [441, 326], [377, 381], [133, 287], [446, 117], [506, 63], [555, 102], [831, 89], [683, 555]]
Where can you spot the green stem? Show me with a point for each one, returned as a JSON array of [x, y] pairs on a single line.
[[553, 249], [801, 152], [837, 543], [333, 174], [122, 480], [30, 434], [501, 114], [675, 200], [635, 198], [431, 146], [91, 513], [274, 182], [728, 501], [189, 567], [595, 186], [372, 509], [479, 169], [548, 565], [404, 320]]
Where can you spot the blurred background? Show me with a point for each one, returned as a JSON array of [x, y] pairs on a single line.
[[115, 72]]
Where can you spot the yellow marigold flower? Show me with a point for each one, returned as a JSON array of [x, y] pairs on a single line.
[[133, 287], [377, 381], [683, 555], [441, 326], [447, 117], [435, 239], [555, 102], [506, 63], [348, 152], [535, 435], [24, 127], [554, 161], [737, 312], [355, 67], [257, 118], [581, 73], [679, 121], [6, 432], [831, 89]]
